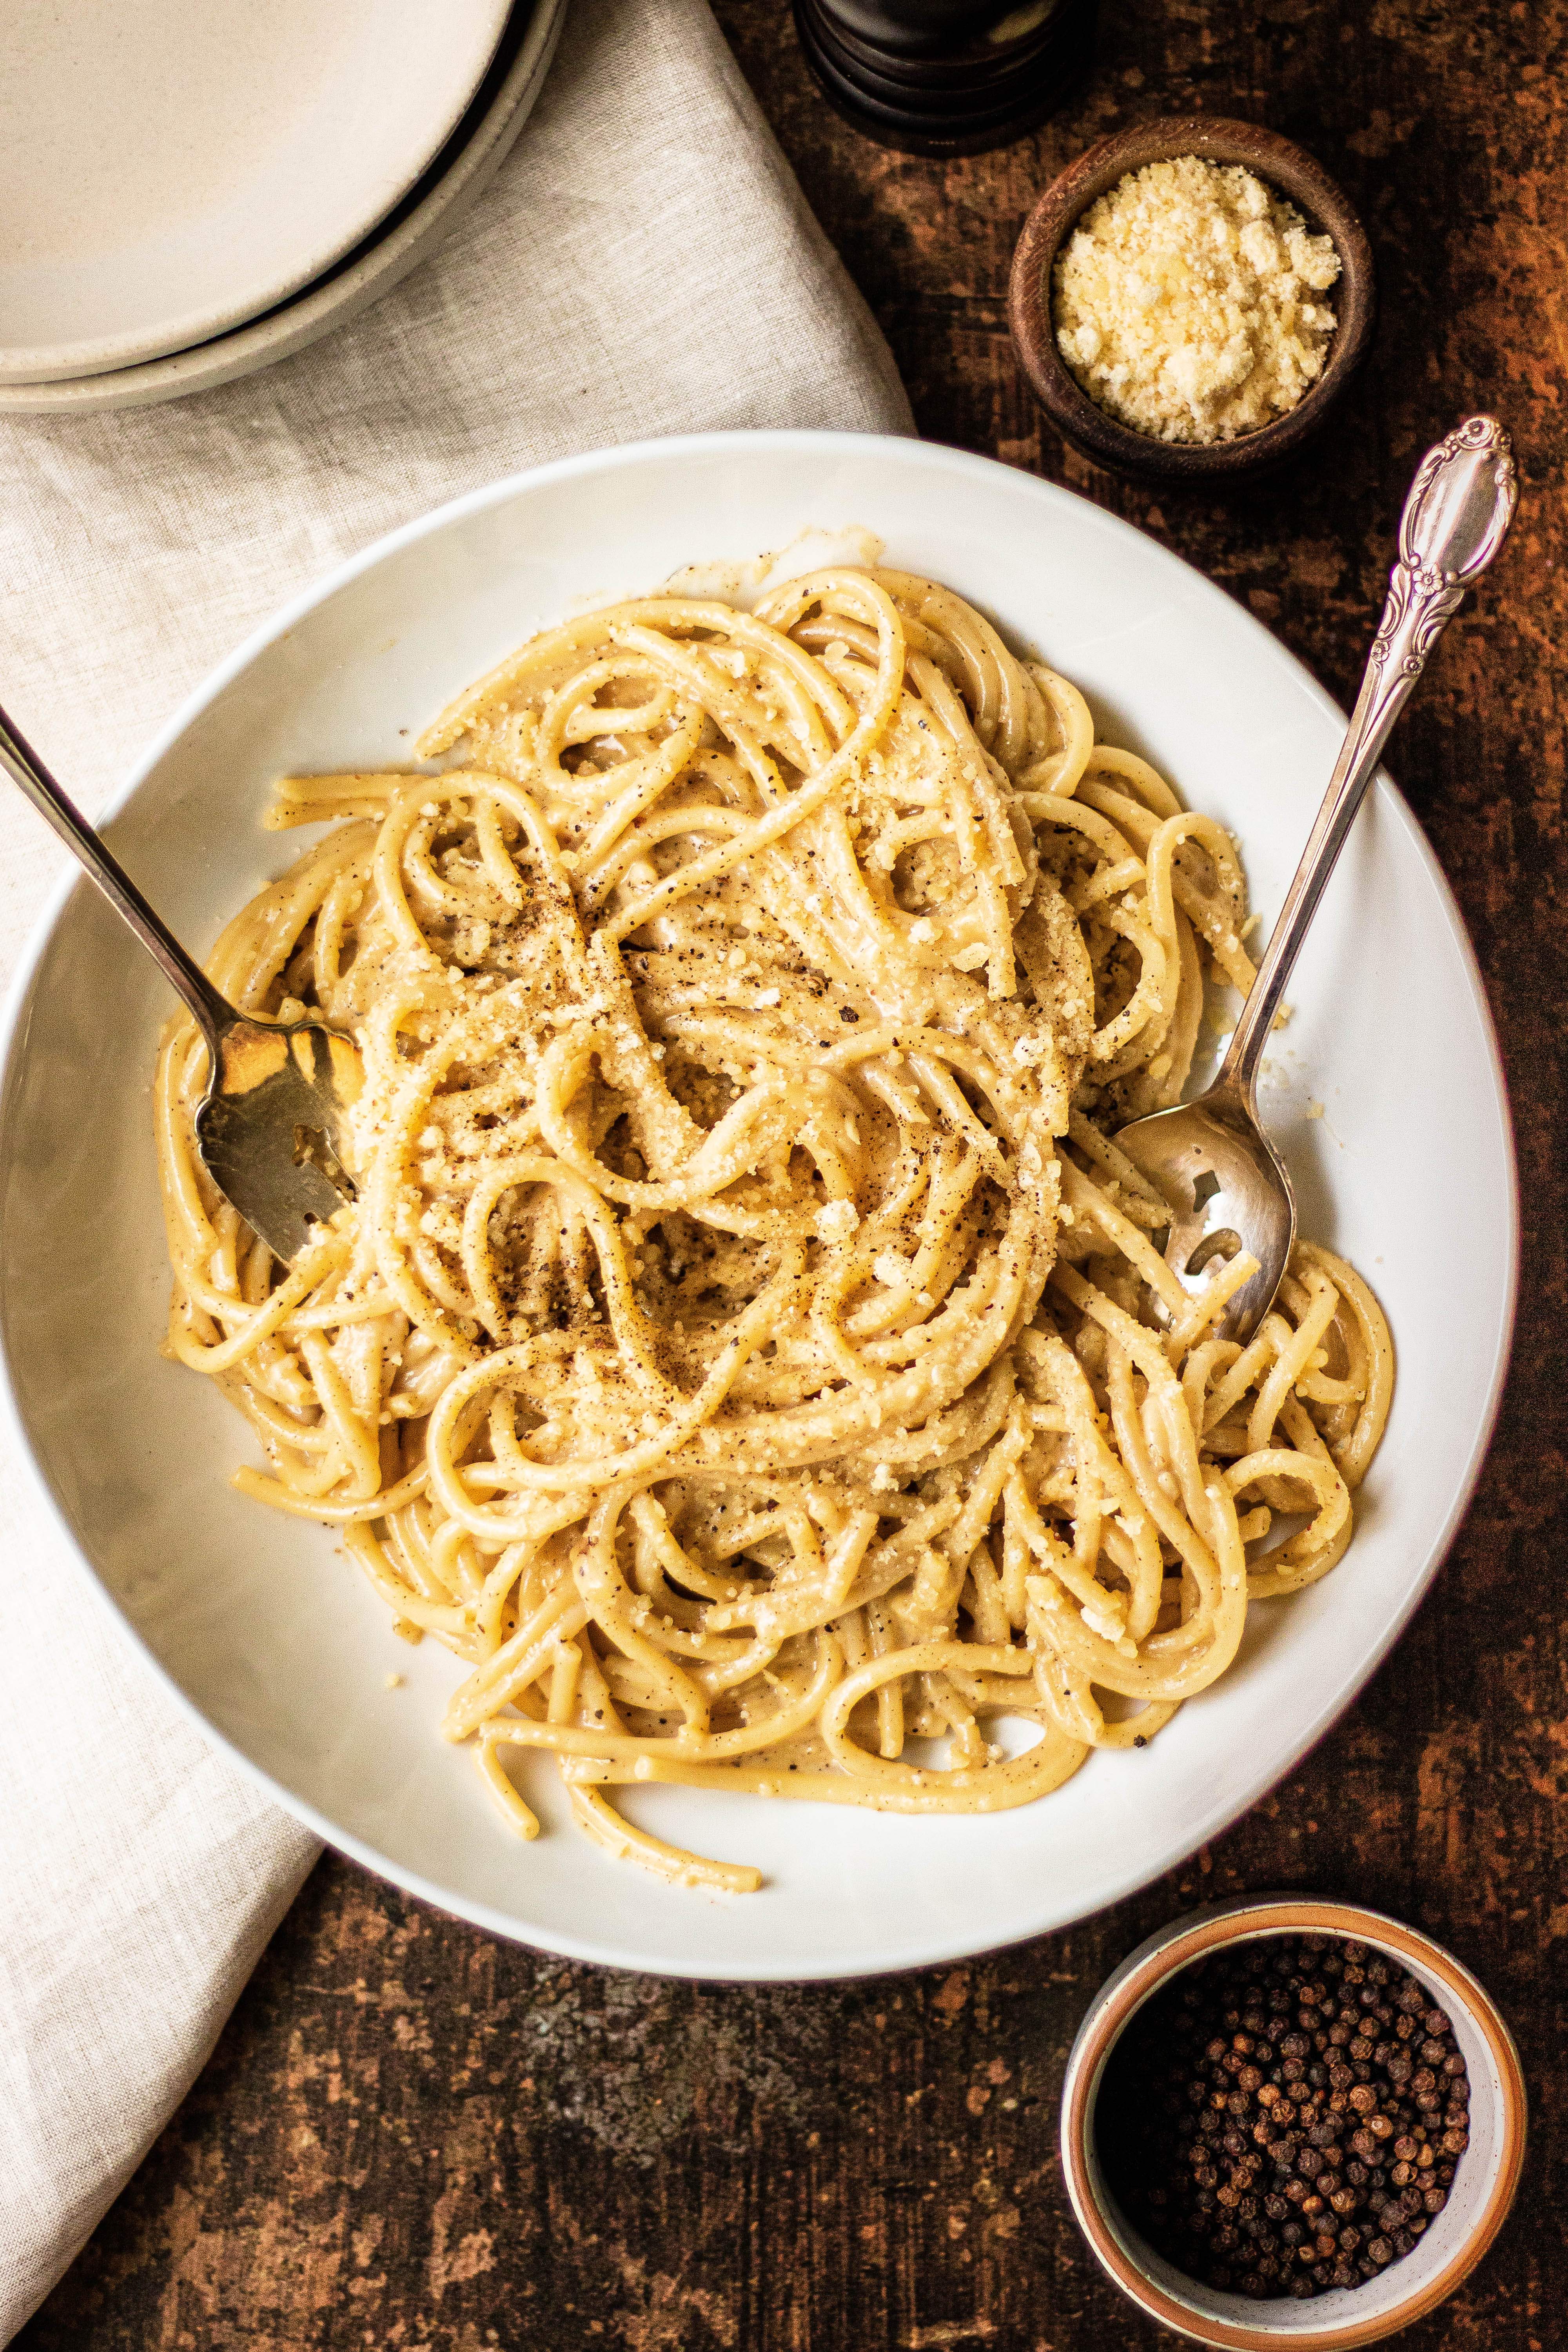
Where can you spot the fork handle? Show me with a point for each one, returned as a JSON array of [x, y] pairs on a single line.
[[1455, 519], [212, 1013]]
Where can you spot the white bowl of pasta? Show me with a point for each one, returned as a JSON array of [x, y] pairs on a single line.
[[746, 1371]]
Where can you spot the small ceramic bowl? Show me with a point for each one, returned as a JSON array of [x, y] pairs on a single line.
[[1089, 427], [1484, 2183]]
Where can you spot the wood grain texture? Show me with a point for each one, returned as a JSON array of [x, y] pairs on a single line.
[[412, 2137]]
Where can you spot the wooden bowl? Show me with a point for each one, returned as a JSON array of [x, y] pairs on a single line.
[[1285, 166]]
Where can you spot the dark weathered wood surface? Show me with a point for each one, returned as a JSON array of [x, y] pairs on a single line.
[[412, 2136]]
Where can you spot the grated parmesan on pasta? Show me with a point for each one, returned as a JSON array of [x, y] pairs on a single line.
[[745, 1348]]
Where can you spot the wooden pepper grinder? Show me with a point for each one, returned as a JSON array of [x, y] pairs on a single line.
[[945, 77]]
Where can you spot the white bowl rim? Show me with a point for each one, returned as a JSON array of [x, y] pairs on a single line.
[[1228, 1806], [1197, 1935]]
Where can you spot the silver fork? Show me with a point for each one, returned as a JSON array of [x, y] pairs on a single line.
[[270, 1126]]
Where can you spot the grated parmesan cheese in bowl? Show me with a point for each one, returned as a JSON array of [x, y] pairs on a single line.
[[1187, 301]]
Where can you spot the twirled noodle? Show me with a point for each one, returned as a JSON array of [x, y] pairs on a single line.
[[747, 1350]]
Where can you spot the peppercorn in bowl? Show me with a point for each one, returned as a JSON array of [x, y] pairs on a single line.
[[1287, 2120]]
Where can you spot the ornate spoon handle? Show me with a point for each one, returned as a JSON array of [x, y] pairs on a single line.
[[1455, 518]]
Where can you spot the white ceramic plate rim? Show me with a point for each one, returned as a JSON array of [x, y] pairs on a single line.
[[1239, 1796], [321, 244], [316, 308]]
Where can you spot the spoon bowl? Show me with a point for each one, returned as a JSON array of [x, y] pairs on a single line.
[[1229, 1191]]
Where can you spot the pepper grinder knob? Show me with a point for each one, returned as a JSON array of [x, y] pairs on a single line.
[[945, 77]]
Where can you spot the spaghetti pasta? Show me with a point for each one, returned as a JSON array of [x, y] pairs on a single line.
[[748, 1350]]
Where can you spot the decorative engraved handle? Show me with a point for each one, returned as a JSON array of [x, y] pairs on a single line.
[[1455, 518]]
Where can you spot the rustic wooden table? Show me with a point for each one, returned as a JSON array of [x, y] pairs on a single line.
[[412, 2136]]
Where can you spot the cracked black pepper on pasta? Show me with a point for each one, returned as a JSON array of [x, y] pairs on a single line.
[[1286, 2117], [747, 1350]]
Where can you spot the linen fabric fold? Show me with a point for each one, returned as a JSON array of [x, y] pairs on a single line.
[[644, 264]]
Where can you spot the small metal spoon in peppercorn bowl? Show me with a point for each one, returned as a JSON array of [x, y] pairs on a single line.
[[1315, 2110]]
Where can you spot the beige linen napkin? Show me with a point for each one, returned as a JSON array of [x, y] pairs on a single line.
[[644, 264]]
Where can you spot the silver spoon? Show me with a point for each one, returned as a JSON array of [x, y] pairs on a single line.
[[270, 1128], [1210, 1160]]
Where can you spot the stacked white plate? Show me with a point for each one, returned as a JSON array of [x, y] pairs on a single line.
[[194, 188]]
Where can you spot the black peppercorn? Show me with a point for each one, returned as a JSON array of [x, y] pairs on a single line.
[[1267, 2145]]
